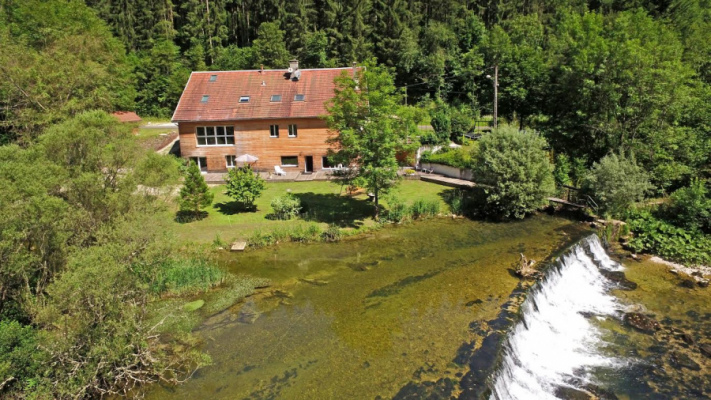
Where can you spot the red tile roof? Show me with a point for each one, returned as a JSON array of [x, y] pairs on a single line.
[[127, 116], [224, 94]]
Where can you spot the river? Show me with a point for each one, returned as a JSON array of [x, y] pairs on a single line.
[[431, 310]]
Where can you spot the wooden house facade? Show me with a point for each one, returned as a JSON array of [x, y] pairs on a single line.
[[275, 115]]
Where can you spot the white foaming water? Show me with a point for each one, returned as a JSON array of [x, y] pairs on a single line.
[[554, 340]]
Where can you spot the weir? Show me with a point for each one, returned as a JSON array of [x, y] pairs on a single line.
[[553, 347]]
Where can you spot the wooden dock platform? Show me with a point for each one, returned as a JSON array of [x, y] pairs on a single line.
[[447, 181], [565, 202]]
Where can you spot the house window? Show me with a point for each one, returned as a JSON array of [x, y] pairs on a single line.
[[276, 98], [292, 130], [213, 78], [289, 161], [244, 99], [204, 99], [215, 135], [274, 131], [299, 97], [325, 163], [230, 161], [201, 162]]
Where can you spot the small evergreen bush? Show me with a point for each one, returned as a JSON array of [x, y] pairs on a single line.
[[195, 195]]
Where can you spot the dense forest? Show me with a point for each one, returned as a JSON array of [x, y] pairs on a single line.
[[619, 91]]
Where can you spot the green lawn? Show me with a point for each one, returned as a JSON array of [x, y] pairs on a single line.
[[323, 202]]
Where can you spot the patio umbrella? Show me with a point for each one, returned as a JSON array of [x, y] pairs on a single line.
[[246, 158]]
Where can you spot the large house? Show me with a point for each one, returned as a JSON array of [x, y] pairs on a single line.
[[274, 115]]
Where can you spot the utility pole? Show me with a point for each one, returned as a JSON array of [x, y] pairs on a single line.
[[496, 96], [495, 80]]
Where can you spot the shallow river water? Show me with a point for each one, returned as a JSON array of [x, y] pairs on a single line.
[[433, 310]]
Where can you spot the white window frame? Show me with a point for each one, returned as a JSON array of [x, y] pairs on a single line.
[[274, 131], [224, 137], [275, 98], [230, 161], [293, 131], [296, 97], [197, 162], [244, 99], [289, 165]]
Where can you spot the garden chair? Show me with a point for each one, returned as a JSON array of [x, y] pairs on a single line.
[[279, 171]]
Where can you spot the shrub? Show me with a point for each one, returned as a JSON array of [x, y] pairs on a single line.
[[517, 170], [244, 186], [20, 356], [424, 208], [616, 182], [397, 211], [690, 207], [286, 207], [462, 122], [441, 122], [194, 195], [331, 234], [457, 158], [669, 241]]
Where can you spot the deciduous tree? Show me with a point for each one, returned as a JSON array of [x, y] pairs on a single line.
[[370, 126]]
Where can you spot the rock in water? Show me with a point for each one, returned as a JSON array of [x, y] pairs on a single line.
[[642, 322], [688, 283], [619, 278], [705, 349], [680, 360], [569, 393]]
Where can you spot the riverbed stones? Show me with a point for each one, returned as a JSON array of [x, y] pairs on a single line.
[[641, 322], [688, 283], [705, 349], [681, 360], [619, 278], [569, 393]]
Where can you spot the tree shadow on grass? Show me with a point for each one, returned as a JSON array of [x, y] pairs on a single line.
[[184, 217], [233, 207], [343, 211]]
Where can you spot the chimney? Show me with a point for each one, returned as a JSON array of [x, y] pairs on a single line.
[[294, 65], [354, 69], [261, 68]]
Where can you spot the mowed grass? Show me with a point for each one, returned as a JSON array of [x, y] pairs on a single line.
[[324, 202]]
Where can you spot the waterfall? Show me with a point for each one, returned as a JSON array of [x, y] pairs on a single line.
[[555, 343]]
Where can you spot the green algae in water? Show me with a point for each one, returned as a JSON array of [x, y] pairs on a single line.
[[395, 308], [194, 305]]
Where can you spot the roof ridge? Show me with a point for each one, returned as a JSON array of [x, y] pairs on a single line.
[[273, 70]]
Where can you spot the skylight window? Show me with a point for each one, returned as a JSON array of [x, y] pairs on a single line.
[[205, 98], [213, 78], [276, 98], [299, 97], [244, 99]]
